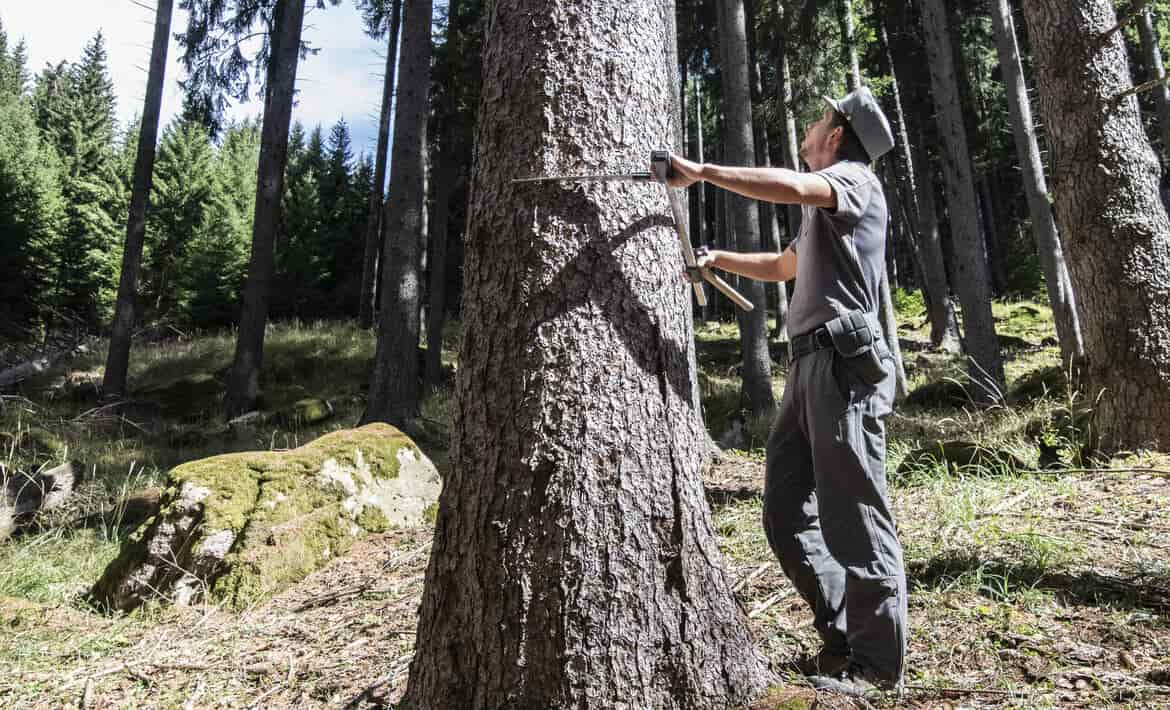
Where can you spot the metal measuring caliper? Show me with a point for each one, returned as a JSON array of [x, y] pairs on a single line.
[[660, 170]]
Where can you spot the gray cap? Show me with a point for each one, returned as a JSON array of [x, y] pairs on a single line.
[[861, 109]]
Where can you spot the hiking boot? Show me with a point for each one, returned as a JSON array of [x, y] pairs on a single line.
[[853, 680], [827, 662]]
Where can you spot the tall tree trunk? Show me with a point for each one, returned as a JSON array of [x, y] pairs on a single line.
[[769, 222], [701, 186], [118, 356], [848, 45], [987, 220], [789, 144], [439, 235], [1105, 179], [971, 277], [369, 288], [447, 169], [394, 384], [740, 150], [927, 241], [1060, 292], [1153, 57], [244, 381], [569, 567]]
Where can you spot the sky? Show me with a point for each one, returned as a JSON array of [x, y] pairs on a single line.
[[343, 80]]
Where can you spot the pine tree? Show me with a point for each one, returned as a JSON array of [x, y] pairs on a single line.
[[30, 213], [214, 273], [181, 199], [75, 110]]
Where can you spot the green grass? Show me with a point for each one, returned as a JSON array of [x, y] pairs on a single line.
[[991, 553]]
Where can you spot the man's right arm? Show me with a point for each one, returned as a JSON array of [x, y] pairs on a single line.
[[761, 266]]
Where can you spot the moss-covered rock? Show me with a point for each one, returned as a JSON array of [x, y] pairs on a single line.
[[239, 527]]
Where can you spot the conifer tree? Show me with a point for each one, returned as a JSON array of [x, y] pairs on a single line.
[[218, 259], [30, 211], [181, 198], [75, 110]]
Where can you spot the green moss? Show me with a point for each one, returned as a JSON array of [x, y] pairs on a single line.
[[286, 524]]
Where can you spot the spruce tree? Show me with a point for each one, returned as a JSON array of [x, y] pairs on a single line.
[[30, 211], [75, 110], [214, 273], [181, 199]]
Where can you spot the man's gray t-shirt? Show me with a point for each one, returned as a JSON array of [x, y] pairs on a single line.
[[840, 253]]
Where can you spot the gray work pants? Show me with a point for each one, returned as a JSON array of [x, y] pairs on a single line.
[[826, 513]]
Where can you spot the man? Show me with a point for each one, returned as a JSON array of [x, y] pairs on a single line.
[[826, 512]]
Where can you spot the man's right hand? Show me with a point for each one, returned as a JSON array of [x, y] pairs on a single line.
[[684, 172]]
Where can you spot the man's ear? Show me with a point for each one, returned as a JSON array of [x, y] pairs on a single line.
[[836, 136]]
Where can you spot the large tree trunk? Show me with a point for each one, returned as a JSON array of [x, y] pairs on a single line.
[[970, 276], [118, 357], [369, 287], [1105, 179], [1161, 92], [574, 564], [394, 385], [1060, 294], [244, 383], [927, 242], [740, 150]]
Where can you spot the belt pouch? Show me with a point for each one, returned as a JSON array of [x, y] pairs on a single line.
[[853, 338]]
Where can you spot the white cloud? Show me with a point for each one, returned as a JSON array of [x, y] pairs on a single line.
[[344, 79]]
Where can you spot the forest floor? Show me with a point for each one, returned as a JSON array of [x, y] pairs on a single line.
[[1039, 576]]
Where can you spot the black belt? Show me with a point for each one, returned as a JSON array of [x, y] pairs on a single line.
[[811, 342]]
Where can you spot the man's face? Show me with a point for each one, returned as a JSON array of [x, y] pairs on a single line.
[[819, 145]]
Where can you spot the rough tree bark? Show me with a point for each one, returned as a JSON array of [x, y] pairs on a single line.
[[394, 384], [369, 288], [739, 149], [1116, 233], [243, 390], [971, 273], [1060, 292], [944, 328], [574, 564], [118, 356], [1153, 57]]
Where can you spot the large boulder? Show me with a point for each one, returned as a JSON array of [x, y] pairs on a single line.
[[238, 527]]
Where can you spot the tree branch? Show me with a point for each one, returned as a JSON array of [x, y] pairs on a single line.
[[1134, 11]]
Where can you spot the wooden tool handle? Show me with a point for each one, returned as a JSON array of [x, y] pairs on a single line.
[[735, 296]]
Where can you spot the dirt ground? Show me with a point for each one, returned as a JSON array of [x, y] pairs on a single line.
[[1031, 592]]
